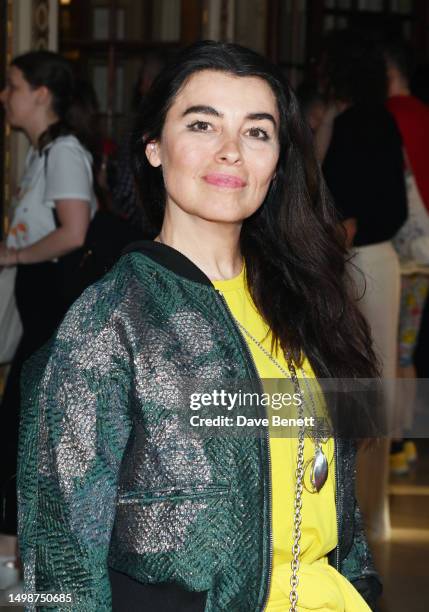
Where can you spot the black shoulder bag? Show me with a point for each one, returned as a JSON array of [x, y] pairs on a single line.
[[107, 236]]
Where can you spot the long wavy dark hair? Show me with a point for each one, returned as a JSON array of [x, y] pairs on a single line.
[[292, 246]]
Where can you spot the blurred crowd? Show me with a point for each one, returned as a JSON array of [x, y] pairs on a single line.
[[371, 135]]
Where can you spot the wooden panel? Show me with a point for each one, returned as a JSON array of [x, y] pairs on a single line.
[[421, 28], [273, 30], [314, 30], [191, 21], [147, 20], [40, 37]]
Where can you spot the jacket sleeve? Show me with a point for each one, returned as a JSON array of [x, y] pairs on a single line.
[[74, 428], [358, 566]]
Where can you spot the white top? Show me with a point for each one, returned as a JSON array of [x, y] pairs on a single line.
[[66, 174]]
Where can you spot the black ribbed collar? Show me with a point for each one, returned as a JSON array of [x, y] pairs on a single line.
[[171, 259]]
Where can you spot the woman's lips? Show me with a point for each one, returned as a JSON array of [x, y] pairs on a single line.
[[224, 180]]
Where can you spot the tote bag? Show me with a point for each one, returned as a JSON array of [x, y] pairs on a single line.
[[10, 323], [412, 240]]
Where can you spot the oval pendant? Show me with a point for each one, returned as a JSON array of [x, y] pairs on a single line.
[[319, 470]]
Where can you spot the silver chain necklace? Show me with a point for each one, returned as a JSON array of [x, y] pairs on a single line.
[[318, 475], [319, 463]]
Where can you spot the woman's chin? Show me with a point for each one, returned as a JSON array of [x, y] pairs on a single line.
[[223, 219], [224, 214]]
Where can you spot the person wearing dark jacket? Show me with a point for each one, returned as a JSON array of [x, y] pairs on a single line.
[[364, 171], [129, 497]]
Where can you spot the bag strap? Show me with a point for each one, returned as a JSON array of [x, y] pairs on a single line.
[[45, 170]]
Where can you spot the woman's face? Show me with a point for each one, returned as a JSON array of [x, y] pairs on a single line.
[[219, 146], [19, 99]]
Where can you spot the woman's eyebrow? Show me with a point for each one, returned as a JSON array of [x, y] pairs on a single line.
[[209, 110], [261, 116], [205, 110]]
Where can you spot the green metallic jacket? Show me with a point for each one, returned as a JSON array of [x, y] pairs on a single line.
[[108, 475]]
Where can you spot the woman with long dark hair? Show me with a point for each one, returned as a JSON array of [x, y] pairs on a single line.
[[126, 501], [50, 214]]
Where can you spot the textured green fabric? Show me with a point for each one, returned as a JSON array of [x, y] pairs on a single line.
[[107, 474]]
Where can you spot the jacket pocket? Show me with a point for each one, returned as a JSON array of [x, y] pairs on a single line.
[[175, 521], [175, 493]]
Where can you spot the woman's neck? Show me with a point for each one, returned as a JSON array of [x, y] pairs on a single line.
[[39, 125], [213, 247], [399, 89], [398, 85]]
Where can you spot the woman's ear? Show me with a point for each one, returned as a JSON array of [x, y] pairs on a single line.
[[153, 153], [43, 96]]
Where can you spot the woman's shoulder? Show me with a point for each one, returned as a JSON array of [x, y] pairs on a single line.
[[114, 286], [137, 286], [92, 336], [364, 126], [123, 285], [69, 145], [363, 116], [93, 323]]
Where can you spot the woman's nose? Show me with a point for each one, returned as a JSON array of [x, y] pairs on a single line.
[[229, 152]]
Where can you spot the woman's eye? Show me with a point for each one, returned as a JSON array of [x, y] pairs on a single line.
[[258, 133], [199, 126]]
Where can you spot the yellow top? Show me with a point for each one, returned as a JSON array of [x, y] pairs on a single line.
[[321, 587]]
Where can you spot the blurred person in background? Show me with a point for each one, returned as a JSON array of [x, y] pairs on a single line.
[[122, 184], [363, 168], [312, 103], [410, 113], [318, 114], [419, 82], [412, 118], [51, 212], [420, 89]]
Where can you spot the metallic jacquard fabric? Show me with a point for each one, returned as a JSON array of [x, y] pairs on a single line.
[[108, 476]]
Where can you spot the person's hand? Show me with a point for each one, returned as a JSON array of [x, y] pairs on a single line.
[[8, 256], [332, 110]]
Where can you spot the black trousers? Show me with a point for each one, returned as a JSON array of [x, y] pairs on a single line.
[[41, 307], [129, 595]]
